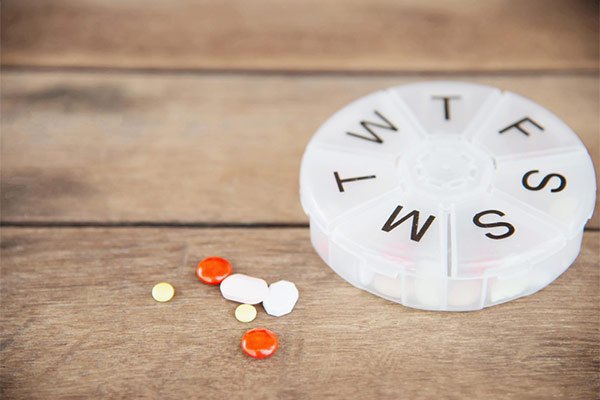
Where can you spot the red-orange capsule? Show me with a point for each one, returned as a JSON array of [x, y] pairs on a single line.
[[213, 270], [259, 343]]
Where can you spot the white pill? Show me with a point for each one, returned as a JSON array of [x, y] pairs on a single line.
[[244, 289], [282, 298]]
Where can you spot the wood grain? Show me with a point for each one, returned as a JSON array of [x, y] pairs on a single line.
[[378, 35], [110, 115], [78, 321], [196, 148]]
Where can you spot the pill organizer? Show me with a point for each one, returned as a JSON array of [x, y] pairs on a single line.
[[447, 195]]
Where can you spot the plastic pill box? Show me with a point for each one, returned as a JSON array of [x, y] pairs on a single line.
[[447, 195]]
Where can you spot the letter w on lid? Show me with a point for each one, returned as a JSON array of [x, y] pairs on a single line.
[[368, 125]]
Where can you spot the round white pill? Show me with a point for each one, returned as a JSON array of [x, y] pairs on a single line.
[[244, 289], [282, 298]]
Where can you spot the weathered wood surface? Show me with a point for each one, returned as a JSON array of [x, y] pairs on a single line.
[[78, 321], [110, 147], [377, 35], [84, 143]]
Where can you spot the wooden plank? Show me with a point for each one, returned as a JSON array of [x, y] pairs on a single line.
[[195, 148], [78, 321], [378, 35]]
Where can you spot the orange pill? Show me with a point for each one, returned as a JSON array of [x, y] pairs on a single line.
[[213, 270], [259, 343]]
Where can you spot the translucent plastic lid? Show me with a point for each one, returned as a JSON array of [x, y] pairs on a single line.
[[447, 195]]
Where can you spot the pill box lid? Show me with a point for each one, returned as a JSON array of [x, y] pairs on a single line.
[[447, 195]]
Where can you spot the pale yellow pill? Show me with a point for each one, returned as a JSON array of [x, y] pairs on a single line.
[[163, 292], [245, 313]]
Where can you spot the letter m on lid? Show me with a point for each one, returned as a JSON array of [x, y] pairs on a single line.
[[416, 233]]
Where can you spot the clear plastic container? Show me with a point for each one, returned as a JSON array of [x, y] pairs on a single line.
[[447, 195]]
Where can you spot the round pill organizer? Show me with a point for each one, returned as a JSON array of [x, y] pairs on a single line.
[[446, 195]]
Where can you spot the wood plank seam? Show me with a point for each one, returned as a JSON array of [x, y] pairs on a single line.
[[304, 72], [182, 225], [152, 224]]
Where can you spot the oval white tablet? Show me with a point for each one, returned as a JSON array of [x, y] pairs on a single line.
[[282, 298], [244, 289]]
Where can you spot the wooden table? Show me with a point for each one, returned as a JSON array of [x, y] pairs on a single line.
[[139, 137]]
